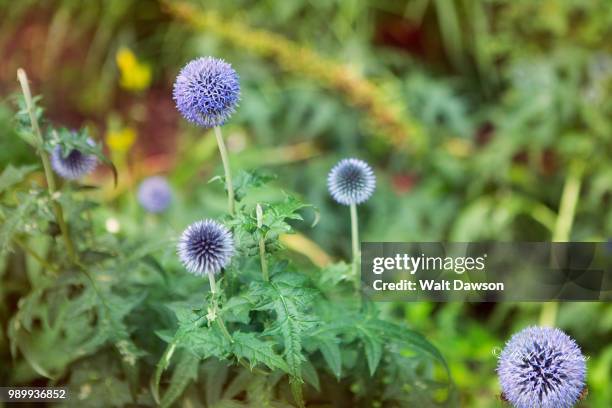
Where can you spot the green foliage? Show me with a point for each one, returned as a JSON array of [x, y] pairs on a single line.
[[268, 342], [508, 95]]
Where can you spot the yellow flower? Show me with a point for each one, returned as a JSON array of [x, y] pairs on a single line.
[[121, 140], [135, 75]]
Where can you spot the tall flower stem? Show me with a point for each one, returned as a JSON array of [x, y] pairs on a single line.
[[226, 169], [355, 244], [57, 208], [563, 227], [214, 308], [262, 244], [213, 284]]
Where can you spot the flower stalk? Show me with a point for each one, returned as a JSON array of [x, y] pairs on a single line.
[[213, 311], [355, 245], [262, 244], [226, 168], [57, 208], [563, 228]]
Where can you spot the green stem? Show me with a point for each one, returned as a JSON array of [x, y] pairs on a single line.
[[569, 202], [355, 244], [548, 314], [57, 208], [226, 169], [563, 228], [262, 244], [162, 365], [213, 284], [215, 308]]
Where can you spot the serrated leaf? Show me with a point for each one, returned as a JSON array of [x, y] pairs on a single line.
[[14, 175], [290, 328], [331, 354], [256, 351], [237, 309], [373, 350], [185, 371], [408, 338], [185, 313], [309, 373], [205, 342], [277, 214], [14, 220], [247, 180]]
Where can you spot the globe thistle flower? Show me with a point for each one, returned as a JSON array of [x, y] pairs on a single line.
[[207, 91], [351, 181], [206, 247], [74, 165], [154, 194], [542, 367]]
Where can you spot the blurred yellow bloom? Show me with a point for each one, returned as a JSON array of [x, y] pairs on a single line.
[[121, 140], [135, 75]]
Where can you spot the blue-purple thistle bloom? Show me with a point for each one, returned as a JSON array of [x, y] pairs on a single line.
[[351, 181], [542, 367], [155, 194], [73, 165], [207, 91], [206, 247]]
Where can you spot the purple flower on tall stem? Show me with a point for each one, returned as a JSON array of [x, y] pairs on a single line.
[[207, 91], [351, 181]]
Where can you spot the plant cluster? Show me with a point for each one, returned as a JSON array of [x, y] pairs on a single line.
[[106, 317]]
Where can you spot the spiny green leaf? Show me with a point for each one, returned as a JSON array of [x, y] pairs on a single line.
[[331, 353], [373, 349], [309, 373], [247, 180], [185, 313], [255, 351], [14, 175], [14, 220], [237, 309], [185, 371], [406, 337], [205, 342]]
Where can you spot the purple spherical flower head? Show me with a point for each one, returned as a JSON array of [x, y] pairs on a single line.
[[206, 247], [207, 91], [351, 181], [154, 194], [542, 367], [74, 165]]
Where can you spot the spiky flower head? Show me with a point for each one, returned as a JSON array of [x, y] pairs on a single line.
[[542, 367], [351, 181], [154, 194], [207, 91], [73, 164], [206, 247]]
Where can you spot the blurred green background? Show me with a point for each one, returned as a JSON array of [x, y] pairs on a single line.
[[484, 120]]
